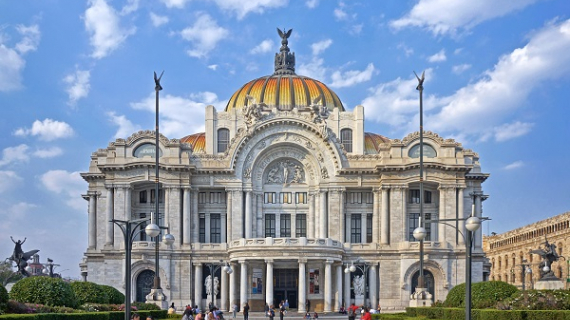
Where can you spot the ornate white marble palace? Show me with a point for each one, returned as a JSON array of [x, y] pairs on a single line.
[[287, 187]]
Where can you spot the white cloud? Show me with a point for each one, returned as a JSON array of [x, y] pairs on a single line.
[[14, 215], [48, 153], [157, 20], [458, 69], [126, 127], [513, 130], [481, 108], [438, 57], [175, 3], [181, 116], [352, 77], [204, 35], [356, 29], [319, 47], [8, 179], [448, 17], [15, 154], [339, 14], [314, 69], [514, 165], [68, 184], [264, 46], [47, 130], [242, 8], [12, 62], [407, 50], [311, 4], [103, 24], [213, 67], [78, 85], [131, 6]]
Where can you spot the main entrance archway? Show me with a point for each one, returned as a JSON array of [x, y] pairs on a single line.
[[286, 285], [429, 282], [145, 281]]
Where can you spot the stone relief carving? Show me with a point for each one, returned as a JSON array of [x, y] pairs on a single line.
[[285, 172], [324, 173]]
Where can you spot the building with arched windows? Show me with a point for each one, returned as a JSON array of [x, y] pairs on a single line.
[[287, 187], [510, 257]]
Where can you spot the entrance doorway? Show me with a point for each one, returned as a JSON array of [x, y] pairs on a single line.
[[145, 282], [428, 280], [286, 284]]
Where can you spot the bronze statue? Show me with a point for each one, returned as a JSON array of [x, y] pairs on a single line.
[[420, 81], [20, 257], [549, 255], [157, 86]]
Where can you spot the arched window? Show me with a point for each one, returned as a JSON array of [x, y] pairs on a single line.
[[346, 139], [223, 139], [145, 281]]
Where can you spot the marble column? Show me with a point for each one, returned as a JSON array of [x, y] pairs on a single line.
[[373, 291], [229, 219], [224, 290], [195, 217], [442, 214], [478, 235], [244, 284], [328, 286], [208, 229], [342, 220], [338, 288], [198, 281], [166, 190], [269, 282], [311, 217], [109, 240], [248, 215], [376, 216], [128, 203], [259, 216], [302, 285], [347, 229], [223, 225], [323, 214], [363, 228], [233, 286], [346, 289], [92, 219], [186, 219], [385, 219], [461, 214]]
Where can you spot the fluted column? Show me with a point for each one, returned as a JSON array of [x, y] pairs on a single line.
[[248, 214], [376, 217], [478, 213], [385, 223], [441, 228], [346, 289], [233, 297], [259, 216], [269, 282], [341, 218], [229, 219], [109, 240], [302, 287], [373, 291], [338, 287], [323, 221], [328, 286], [243, 284], [224, 290], [363, 227], [311, 218], [186, 219], [92, 220], [198, 277], [461, 214], [195, 217]]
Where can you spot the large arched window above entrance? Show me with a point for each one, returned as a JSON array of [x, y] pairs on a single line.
[[428, 281], [346, 139], [223, 139], [145, 281]]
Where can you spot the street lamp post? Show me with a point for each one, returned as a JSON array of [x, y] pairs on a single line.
[[214, 267], [525, 268], [49, 266], [363, 269], [129, 234]]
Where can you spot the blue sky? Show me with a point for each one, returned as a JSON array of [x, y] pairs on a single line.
[[75, 75]]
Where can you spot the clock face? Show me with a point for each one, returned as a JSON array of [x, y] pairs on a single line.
[[429, 151], [146, 149]]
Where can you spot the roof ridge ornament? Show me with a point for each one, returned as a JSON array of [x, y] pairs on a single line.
[[284, 60]]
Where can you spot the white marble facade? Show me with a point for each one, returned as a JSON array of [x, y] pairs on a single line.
[[286, 198]]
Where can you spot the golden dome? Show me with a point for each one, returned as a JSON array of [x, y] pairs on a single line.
[[197, 141], [372, 142]]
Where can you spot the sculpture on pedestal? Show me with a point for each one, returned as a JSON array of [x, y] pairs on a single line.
[[20, 257], [549, 255]]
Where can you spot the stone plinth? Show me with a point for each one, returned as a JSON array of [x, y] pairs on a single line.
[[553, 284], [359, 300], [157, 297], [421, 298]]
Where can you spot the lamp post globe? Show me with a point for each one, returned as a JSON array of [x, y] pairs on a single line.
[[419, 233], [546, 269], [152, 230], [352, 268], [28, 269], [346, 270], [168, 239], [473, 224]]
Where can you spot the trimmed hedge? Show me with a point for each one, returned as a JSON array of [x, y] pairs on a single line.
[[115, 315], [115, 296], [486, 314], [89, 292], [44, 290], [483, 294]]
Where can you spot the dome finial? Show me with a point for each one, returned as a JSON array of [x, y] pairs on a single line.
[[284, 60]]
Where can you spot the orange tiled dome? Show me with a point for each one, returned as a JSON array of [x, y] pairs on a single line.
[[372, 142], [197, 141]]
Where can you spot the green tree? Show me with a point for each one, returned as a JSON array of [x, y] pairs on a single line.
[[44, 290], [7, 273]]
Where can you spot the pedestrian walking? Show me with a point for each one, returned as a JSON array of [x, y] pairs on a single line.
[[266, 310], [282, 311], [246, 311], [352, 312], [271, 313], [308, 305]]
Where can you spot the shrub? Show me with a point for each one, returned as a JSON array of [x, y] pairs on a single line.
[[89, 292], [483, 294], [115, 296], [3, 298], [44, 290], [538, 300], [145, 306]]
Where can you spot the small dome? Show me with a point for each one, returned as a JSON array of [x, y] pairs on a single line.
[[197, 141], [372, 142]]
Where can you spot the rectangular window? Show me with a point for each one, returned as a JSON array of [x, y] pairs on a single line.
[[368, 197], [369, 228], [143, 235], [355, 228], [355, 197], [269, 197], [300, 225], [215, 228], [202, 197], [414, 196], [270, 225], [427, 196], [223, 139], [202, 228], [414, 223], [216, 197], [286, 197], [285, 225], [346, 139], [160, 195], [142, 196], [301, 197]]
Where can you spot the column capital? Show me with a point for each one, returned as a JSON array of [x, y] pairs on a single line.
[[303, 260], [242, 261], [234, 189], [269, 261], [330, 262]]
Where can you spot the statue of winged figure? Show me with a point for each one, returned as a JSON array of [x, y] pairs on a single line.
[[549, 255], [252, 111], [157, 86], [20, 257], [420, 80]]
